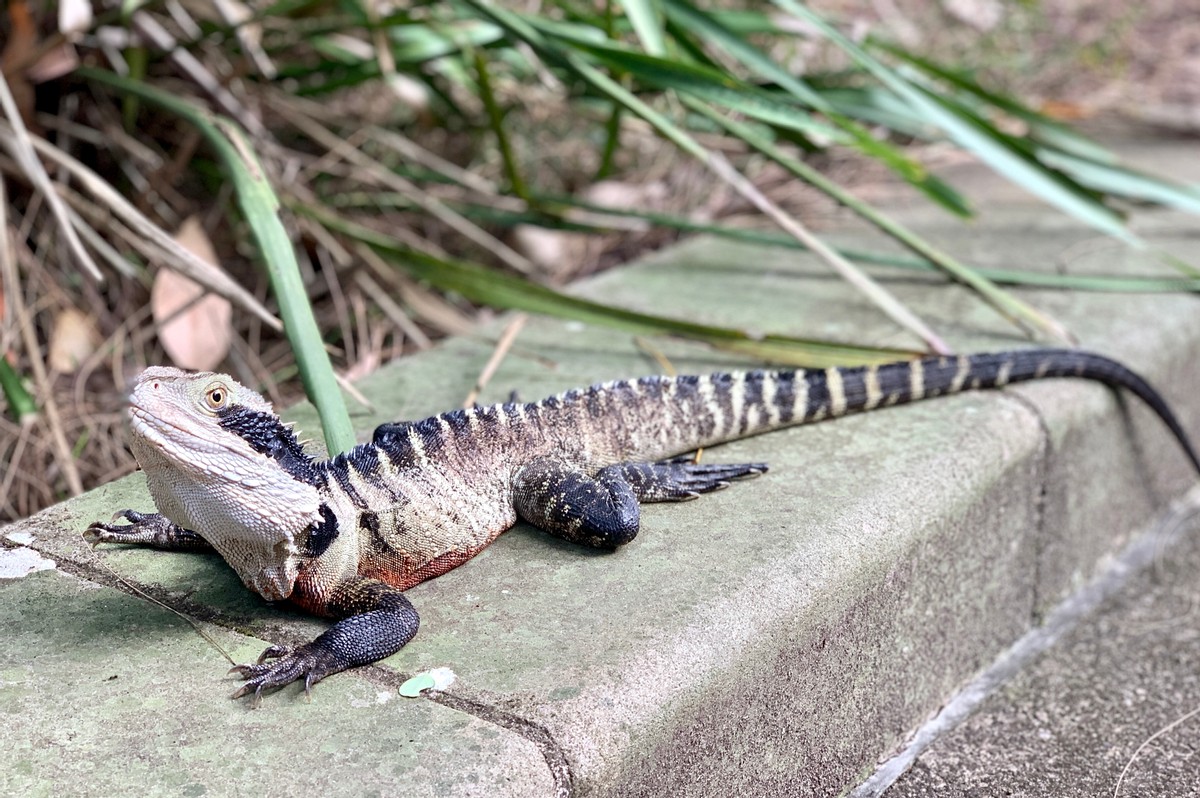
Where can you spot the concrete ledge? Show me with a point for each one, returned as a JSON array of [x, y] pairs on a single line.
[[106, 694], [773, 639]]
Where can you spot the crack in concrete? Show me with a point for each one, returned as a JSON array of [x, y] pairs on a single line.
[[155, 594], [554, 754], [539, 735]]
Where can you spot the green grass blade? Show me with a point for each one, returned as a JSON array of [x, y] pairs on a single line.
[[497, 289], [1041, 127], [646, 18], [715, 87], [496, 117], [987, 143], [606, 85], [1121, 181], [712, 30], [1058, 147], [770, 107], [875, 105], [260, 208], [1007, 304], [527, 30], [552, 207]]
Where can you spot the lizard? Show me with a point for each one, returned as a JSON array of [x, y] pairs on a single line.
[[345, 537]]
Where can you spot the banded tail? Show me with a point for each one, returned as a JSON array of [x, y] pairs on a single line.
[[693, 412]]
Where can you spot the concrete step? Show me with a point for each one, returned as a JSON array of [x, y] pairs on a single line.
[[778, 638], [1108, 704]]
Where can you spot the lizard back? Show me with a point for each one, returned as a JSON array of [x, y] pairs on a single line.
[[652, 418]]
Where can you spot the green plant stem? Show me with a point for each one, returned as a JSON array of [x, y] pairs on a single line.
[[612, 141], [496, 117], [260, 207]]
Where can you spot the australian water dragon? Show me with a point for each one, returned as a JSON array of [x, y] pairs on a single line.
[[344, 537]]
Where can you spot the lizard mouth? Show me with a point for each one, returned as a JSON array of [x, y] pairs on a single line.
[[169, 435]]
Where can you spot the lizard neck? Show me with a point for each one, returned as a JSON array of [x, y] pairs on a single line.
[[267, 435]]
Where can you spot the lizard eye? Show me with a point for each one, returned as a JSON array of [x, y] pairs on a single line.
[[216, 397]]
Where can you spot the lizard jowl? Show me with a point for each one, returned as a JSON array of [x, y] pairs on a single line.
[[345, 537]]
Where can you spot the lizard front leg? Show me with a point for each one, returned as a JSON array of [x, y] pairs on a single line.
[[146, 529], [377, 620]]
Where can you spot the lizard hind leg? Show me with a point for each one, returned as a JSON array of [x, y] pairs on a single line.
[[377, 620], [602, 511]]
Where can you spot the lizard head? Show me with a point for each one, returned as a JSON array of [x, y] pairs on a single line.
[[220, 462]]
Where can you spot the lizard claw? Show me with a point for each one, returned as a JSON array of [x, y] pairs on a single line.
[[140, 527], [312, 662], [145, 529]]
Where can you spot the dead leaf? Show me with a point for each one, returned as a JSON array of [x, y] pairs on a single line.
[[560, 253], [54, 63], [26, 63], [20, 48], [549, 249], [630, 196], [195, 328], [73, 339]]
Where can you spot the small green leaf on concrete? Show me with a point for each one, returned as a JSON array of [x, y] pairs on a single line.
[[416, 685], [436, 679]]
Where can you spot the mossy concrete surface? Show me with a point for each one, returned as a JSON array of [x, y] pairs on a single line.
[[777, 638], [104, 693]]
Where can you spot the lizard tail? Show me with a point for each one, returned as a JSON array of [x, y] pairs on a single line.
[[716, 408]]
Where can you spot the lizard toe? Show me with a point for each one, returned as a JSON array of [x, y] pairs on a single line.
[[310, 662], [100, 532], [144, 529], [273, 652]]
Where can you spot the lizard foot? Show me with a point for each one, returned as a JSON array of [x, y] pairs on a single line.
[[682, 479], [142, 528], [311, 661], [376, 621], [145, 529]]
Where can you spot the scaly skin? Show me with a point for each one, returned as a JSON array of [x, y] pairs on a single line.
[[343, 538]]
